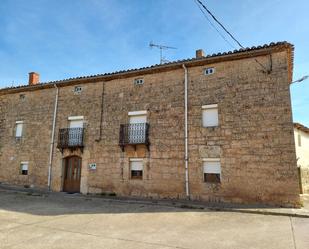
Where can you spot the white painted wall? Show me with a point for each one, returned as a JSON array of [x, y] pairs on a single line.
[[302, 152]]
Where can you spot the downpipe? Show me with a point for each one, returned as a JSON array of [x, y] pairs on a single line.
[[186, 132], [52, 140]]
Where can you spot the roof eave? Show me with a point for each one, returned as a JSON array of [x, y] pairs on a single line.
[[165, 67]]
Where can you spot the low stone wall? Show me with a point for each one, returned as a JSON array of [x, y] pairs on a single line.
[[304, 178]]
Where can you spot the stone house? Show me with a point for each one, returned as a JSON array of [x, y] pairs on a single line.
[[214, 128], [301, 134]]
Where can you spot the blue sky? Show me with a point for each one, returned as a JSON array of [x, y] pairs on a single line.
[[68, 38]]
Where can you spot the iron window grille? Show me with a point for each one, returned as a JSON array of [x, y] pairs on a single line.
[[134, 134], [71, 138]]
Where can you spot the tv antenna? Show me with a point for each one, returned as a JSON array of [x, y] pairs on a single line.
[[161, 47]]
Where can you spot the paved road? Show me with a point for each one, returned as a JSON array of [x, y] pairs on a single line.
[[38, 222]]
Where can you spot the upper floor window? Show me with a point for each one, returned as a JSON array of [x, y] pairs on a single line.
[[209, 70], [138, 81], [210, 115], [19, 129], [24, 168], [137, 127], [212, 170], [137, 117], [22, 96], [75, 132], [77, 89]]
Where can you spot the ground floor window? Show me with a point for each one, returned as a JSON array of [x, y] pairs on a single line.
[[24, 168], [136, 168], [212, 170]]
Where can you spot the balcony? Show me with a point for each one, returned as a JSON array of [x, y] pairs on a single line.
[[134, 134], [71, 138]]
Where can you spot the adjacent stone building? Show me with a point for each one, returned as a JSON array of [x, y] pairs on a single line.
[[301, 134], [214, 128]]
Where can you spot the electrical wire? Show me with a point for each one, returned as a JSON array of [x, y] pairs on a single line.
[[222, 26], [225, 29], [205, 15]]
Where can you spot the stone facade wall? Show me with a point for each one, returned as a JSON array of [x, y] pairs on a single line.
[[35, 110], [254, 139]]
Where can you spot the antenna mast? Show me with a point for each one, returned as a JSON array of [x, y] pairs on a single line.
[[161, 47]]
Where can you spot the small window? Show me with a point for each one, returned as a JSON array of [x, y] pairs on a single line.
[[19, 129], [77, 89], [299, 140], [22, 96], [136, 167], [212, 170], [209, 70], [139, 81], [24, 168], [210, 115]]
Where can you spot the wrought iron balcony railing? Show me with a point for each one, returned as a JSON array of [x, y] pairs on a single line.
[[71, 138], [134, 134]]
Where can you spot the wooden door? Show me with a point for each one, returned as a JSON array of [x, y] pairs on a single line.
[[72, 174]]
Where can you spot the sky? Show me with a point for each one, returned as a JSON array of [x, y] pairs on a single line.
[[69, 38]]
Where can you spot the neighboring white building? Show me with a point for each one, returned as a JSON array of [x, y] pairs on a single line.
[[301, 134]]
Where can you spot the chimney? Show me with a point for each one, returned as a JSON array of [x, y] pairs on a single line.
[[34, 78], [199, 53]]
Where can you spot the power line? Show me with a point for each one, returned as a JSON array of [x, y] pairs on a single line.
[[223, 37], [229, 33], [217, 21]]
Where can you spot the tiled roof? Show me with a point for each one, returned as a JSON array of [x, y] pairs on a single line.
[[242, 51], [301, 127]]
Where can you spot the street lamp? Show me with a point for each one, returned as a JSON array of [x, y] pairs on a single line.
[[301, 79]]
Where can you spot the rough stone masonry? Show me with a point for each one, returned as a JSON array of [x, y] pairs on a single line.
[[253, 141]]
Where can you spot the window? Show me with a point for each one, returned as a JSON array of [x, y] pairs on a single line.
[[210, 115], [139, 81], [22, 96], [136, 167], [19, 129], [24, 168], [209, 70], [76, 124], [77, 89], [137, 127], [299, 140], [138, 117], [212, 170]]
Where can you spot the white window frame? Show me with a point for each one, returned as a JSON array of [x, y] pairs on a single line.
[[21, 167], [137, 113], [75, 118], [204, 112], [207, 171], [138, 81], [77, 89], [136, 160], [209, 71], [19, 131]]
